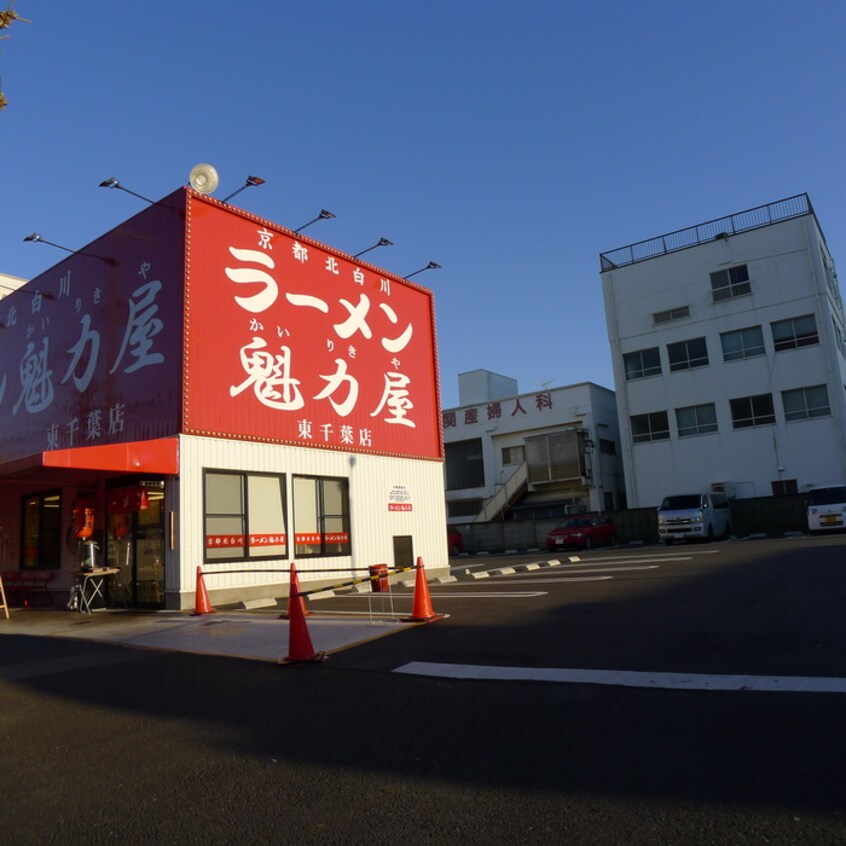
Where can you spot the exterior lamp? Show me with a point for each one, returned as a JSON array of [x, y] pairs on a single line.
[[251, 182], [433, 265], [35, 237], [112, 182], [382, 242], [324, 215]]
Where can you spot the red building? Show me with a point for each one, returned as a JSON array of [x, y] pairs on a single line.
[[209, 388]]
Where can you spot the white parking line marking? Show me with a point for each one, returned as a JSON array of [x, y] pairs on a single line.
[[645, 556], [469, 595], [578, 570], [628, 678]]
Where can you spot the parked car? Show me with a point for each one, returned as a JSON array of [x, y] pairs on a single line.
[[699, 516], [455, 543], [583, 532], [826, 508]]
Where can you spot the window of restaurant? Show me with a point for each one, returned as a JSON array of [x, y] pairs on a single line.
[[245, 516], [321, 516], [41, 531]]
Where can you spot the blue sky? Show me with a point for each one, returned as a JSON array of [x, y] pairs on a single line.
[[511, 142]]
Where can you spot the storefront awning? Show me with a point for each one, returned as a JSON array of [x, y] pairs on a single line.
[[158, 457]]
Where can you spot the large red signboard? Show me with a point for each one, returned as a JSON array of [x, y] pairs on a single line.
[[90, 350], [289, 341]]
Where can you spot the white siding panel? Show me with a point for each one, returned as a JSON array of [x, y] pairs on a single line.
[[372, 527]]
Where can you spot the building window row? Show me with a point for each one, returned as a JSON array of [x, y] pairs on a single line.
[[246, 516], [793, 333], [746, 412]]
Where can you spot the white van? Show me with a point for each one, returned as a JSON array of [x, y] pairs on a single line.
[[826, 508], [701, 516]]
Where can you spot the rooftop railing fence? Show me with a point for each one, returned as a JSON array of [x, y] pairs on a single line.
[[722, 227]]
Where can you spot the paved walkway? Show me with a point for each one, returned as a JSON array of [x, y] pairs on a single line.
[[259, 636]]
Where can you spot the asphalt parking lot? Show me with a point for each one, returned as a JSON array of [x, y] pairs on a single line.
[[572, 703], [758, 608]]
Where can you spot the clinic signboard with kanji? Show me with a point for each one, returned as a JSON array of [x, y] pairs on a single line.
[[90, 350], [289, 341]]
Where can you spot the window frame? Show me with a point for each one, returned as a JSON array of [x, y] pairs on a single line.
[[797, 339], [699, 427], [690, 361], [749, 351], [242, 516], [784, 487], [755, 417], [509, 452], [642, 371], [655, 432], [729, 283], [46, 550], [465, 464], [321, 543], [807, 412]]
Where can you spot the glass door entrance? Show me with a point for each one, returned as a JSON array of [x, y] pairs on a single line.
[[136, 545]]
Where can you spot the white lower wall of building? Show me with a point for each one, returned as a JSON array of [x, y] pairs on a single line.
[[373, 480], [751, 460]]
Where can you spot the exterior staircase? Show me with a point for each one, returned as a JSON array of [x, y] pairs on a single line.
[[511, 491]]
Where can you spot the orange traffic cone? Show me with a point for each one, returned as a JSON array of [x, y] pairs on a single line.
[[201, 597], [293, 592], [421, 609], [300, 649]]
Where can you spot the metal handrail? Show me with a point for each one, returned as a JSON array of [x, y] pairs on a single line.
[[721, 227]]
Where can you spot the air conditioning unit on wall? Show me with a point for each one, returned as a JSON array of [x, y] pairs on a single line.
[[726, 488]]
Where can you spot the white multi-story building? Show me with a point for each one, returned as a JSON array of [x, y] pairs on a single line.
[[543, 454], [727, 341]]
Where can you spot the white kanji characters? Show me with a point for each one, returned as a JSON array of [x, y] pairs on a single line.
[[117, 418], [93, 425], [299, 252], [265, 236], [334, 382], [358, 276], [141, 328], [305, 429], [36, 302], [72, 429], [395, 397], [269, 373], [11, 316], [90, 339], [36, 379], [332, 265]]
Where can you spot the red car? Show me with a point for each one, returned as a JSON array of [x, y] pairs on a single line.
[[583, 532], [455, 543]]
